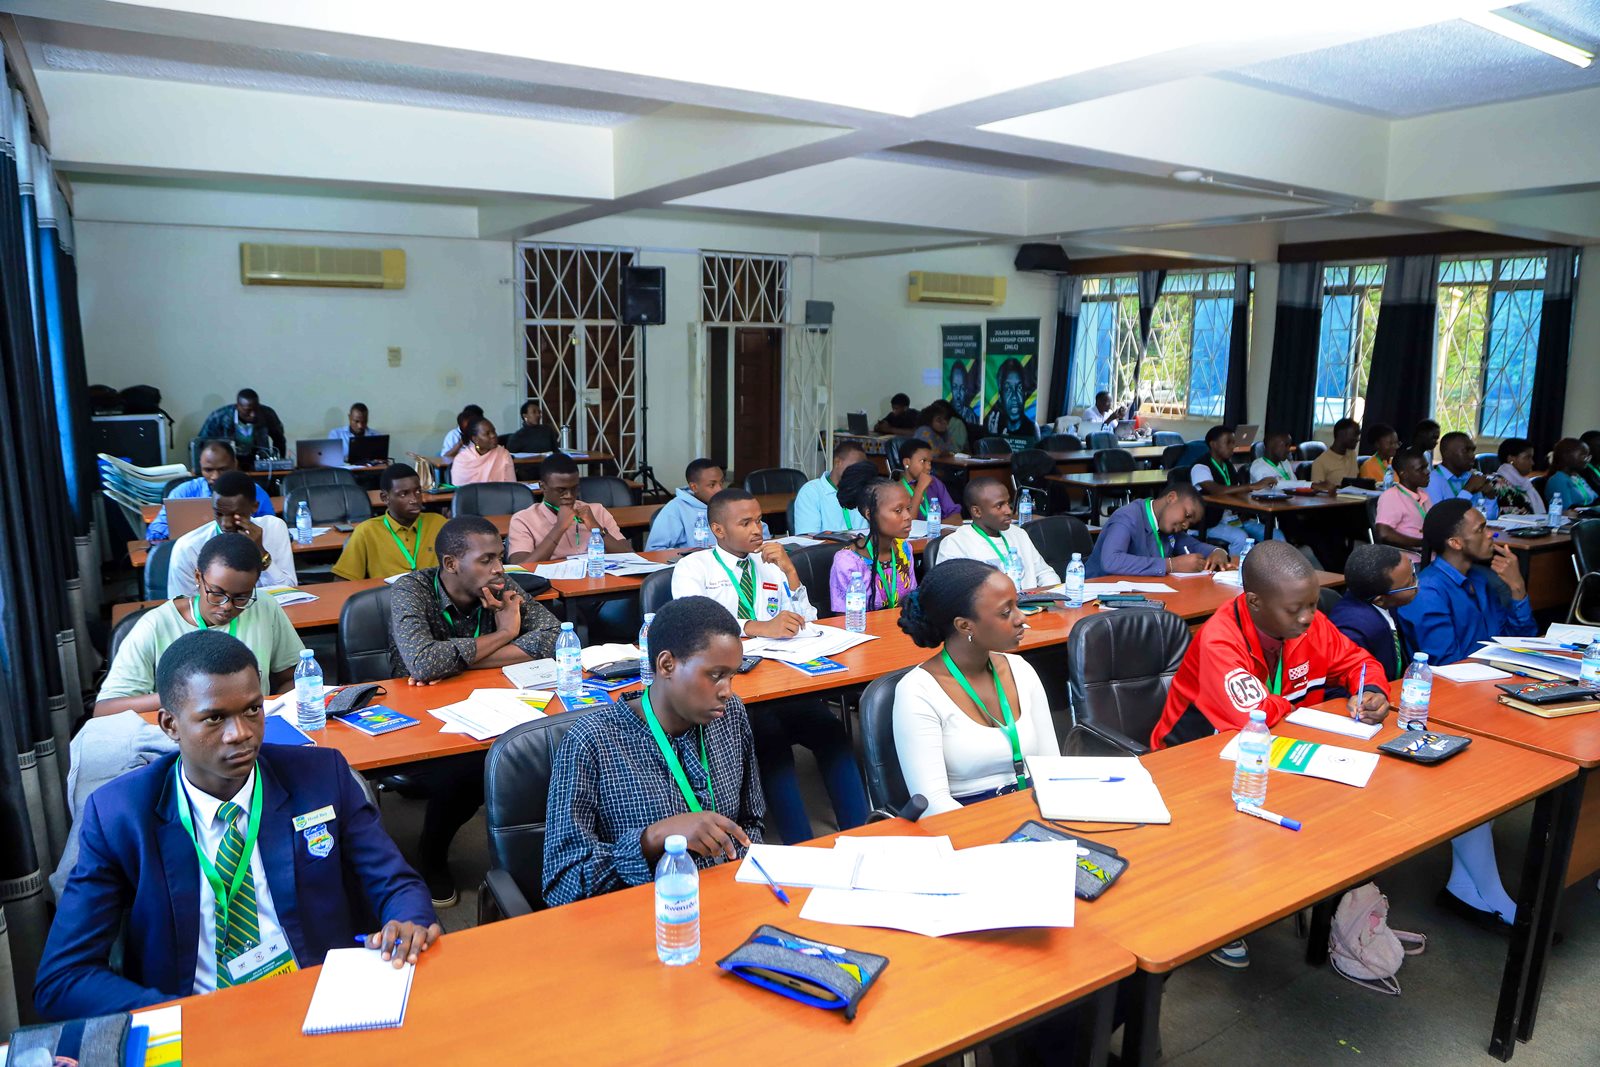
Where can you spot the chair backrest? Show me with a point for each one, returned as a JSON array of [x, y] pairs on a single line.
[[605, 490], [1172, 455], [1327, 599], [1372, 519], [1310, 450], [1488, 462], [993, 446], [295, 481], [1101, 439], [363, 640], [886, 785], [1585, 609], [814, 563], [930, 554], [490, 498], [1586, 545], [775, 480], [1258, 449], [122, 630], [331, 502], [1062, 442], [655, 592], [1302, 470], [891, 451], [516, 790], [1119, 667], [1113, 460], [1057, 537], [1165, 438], [155, 570], [1032, 466]]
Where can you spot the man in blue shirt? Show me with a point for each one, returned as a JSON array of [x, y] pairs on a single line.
[[1456, 476], [1149, 537], [215, 458], [673, 526], [816, 505], [357, 426]]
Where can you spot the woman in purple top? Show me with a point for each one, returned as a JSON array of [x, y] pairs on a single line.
[[882, 558]]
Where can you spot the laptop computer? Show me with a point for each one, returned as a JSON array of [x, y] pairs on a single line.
[[1127, 429], [324, 452], [189, 514], [1245, 436], [856, 421], [373, 448]]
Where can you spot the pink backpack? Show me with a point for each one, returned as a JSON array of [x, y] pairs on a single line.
[[1361, 945]]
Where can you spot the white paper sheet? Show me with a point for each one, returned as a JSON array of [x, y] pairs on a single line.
[[534, 674], [814, 642], [919, 528], [1094, 589], [904, 864], [1335, 724], [800, 866], [797, 541], [1569, 633], [1347, 766], [1560, 666], [1077, 789], [1469, 672], [286, 595], [594, 656], [488, 713]]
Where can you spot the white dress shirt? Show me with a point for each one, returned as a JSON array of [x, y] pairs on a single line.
[[700, 574], [967, 543], [1262, 469], [208, 831], [1094, 420], [274, 540], [451, 439]]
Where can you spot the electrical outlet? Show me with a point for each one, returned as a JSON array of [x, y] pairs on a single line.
[[394, 355]]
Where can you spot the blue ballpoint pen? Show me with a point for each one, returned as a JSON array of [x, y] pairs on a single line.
[[1113, 778], [1361, 687], [777, 890]]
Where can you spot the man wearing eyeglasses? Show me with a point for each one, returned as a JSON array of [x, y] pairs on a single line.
[[233, 504], [1379, 580], [225, 575]]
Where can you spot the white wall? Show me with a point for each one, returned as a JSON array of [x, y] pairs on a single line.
[[1583, 364]]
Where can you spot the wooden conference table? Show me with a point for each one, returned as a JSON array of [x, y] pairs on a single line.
[[1547, 568]]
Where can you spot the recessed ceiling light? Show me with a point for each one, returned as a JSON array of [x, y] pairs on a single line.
[[1513, 30]]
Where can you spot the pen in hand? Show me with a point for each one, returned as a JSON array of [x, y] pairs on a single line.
[[1361, 688]]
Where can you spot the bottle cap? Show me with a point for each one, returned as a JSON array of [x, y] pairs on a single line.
[[306, 653], [1420, 657], [649, 615], [1258, 716], [566, 626], [676, 843]]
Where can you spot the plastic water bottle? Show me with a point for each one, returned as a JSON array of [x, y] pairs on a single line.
[[1014, 567], [1589, 675], [1249, 543], [677, 905], [1488, 506], [569, 662], [1074, 581], [566, 438], [1388, 477], [702, 531], [310, 712], [935, 517], [1250, 766], [594, 564], [1556, 507], [302, 523], [1025, 507], [647, 663], [1416, 689], [855, 605]]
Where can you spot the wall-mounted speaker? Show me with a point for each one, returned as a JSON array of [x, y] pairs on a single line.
[[644, 296], [819, 312], [1049, 259]]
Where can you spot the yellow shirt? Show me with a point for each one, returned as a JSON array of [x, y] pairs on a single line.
[[1334, 468], [372, 552]]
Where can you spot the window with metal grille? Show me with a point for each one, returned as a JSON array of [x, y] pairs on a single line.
[[1487, 343], [1351, 293], [738, 288]]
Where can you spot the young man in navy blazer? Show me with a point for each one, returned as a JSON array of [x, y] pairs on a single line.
[[156, 843]]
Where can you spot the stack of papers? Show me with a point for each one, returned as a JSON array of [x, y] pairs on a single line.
[[1469, 672], [1356, 490], [286, 595], [534, 674], [358, 990], [165, 1044], [488, 713], [1541, 655], [919, 528], [1233, 578], [618, 564], [816, 641], [1096, 789], [1511, 522], [1335, 724], [1294, 756], [1094, 589]]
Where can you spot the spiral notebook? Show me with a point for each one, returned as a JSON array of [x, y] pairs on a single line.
[[358, 990]]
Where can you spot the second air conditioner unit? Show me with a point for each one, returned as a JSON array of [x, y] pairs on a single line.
[[934, 287]]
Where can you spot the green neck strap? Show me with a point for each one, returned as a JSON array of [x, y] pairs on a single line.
[[1007, 727], [674, 765]]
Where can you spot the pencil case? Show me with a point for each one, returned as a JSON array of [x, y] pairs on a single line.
[[811, 972], [1423, 746]]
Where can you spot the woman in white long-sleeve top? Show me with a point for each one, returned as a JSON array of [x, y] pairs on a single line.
[[964, 720]]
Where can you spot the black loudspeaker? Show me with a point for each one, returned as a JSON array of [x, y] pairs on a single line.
[[819, 312], [644, 296], [1051, 259]]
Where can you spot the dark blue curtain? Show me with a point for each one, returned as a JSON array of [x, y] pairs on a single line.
[[1296, 335], [1069, 294], [1400, 386], [1236, 390], [1548, 404]]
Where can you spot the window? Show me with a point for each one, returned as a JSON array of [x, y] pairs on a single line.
[[1487, 343], [1350, 298], [1185, 370]]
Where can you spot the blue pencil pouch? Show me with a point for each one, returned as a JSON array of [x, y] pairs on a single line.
[[811, 972]]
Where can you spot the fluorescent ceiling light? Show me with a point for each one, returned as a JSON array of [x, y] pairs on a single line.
[[1527, 35]]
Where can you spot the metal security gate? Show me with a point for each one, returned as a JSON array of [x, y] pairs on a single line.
[[739, 293], [808, 407], [579, 359]]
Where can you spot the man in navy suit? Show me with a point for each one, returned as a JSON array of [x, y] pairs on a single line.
[[1379, 580], [227, 862]]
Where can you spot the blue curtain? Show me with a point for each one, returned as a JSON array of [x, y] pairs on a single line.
[[1296, 336], [1548, 404], [1400, 385], [1235, 388], [1069, 295]]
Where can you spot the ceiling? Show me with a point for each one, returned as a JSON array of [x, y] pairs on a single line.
[[1055, 124]]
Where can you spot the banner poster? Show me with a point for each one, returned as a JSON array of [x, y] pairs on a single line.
[[962, 348], [1011, 380]]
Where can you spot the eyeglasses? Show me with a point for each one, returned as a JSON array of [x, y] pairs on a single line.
[[217, 597], [1396, 592]]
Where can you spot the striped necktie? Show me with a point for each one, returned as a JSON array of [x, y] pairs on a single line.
[[242, 932], [747, 589]]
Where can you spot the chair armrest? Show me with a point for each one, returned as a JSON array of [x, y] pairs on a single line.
[[1107, 735], [506, 894]]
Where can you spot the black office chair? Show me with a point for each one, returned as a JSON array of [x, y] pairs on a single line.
[[1172, 455], [886, 785], [516, 790], [1165, 438], [1310, 450], [1488, 462], [814, 563], [605, 490], [993, 446], [155, 570], [1114, 461], [1585, 609], [891, 451], [1302, 471], [1100, 439], [330, 503], [1119, 668], [775, 480], [491, 498], [1062, 442], [363, 638], [296, 481], [1327, 599], [1031, 469], [930, 554], [1372, 520], [1585, 545], [655, 592], [122, 630], [1057, 537]]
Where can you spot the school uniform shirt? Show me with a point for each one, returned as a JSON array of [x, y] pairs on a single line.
[[274, 541], [817, 509], [1283, 473], [708, 574], [609, 782], [944, 753], [451, 439], [1402, 510], [1444, 485], [1232, 669], [198, 489], [970, 542], [1129, 544], [533, 524], [1454, 613], [263, 627], [381, 547], [1332, 468], [426, 644], [471, 467]]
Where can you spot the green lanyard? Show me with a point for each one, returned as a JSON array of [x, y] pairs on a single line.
[[1223, 471], [890, 586], [1415, 501], [1008, 727], [848, 525], [576, 520], [1274, 465], [923, 510], [200, 620], [224, 894], [409, 553], [1593, 469], [746, 605], [1002, 553], [1454, 483], [1150, 513], [673, 763], [1276, 683], [444, 608]]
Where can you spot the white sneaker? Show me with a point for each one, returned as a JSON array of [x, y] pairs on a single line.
[[1235, 954]]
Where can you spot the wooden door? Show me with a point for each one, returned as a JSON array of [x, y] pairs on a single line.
[[757, 399]]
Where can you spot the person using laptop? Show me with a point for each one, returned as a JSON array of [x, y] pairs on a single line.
[[400, 540], [356, 426], [534, 435], [216, 457], [250, 425], [1098, 414], [232, 506]]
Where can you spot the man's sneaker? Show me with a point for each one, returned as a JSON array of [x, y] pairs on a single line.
[[1235, 954], [441, 887]]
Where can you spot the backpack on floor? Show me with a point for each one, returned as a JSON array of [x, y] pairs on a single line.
[[1363, 948]]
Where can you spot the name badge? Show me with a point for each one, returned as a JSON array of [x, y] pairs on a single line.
[[312, 818], [318, 841], [265, 960]]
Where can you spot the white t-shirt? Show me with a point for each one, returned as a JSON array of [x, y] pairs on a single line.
[[274, 540], [945, 754], [967, 542], [1262, 469]]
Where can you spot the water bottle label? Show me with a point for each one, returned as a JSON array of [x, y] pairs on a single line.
[[1252, 759], [1414, 693], [677, 910]]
